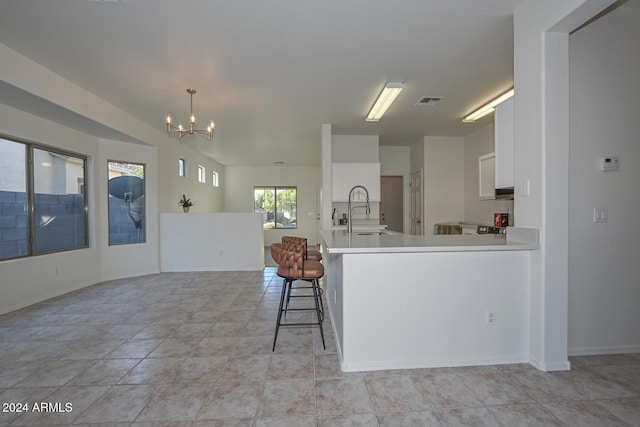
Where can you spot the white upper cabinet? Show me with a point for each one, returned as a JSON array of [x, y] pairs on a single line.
[[504, 142], [347, 175]]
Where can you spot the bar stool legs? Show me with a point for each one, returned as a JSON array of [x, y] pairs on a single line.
[[284, 308]]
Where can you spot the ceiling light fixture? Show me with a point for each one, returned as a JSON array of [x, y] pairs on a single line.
[[384, 101], [488, 108], [191, 130]]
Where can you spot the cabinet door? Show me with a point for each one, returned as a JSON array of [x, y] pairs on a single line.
[[369, 176], [347, 175], [504, 142], [343, 177], [486, 169]]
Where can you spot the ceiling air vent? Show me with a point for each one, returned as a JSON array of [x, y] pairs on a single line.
[[428, 101]]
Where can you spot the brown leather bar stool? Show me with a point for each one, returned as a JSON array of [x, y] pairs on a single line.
[[292, 266], [309, 254], [299, 244]]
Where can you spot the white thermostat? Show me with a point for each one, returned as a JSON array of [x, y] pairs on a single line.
[[609, 163]]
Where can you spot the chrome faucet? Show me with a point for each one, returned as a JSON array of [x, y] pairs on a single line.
[[350, 208]]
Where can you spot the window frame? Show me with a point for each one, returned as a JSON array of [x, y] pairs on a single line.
[[144, 194], [202, 174], [182, 167], [275, 189], [29, 168], [215, 179]]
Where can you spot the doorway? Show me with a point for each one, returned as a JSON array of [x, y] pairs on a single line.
[[416, 202], [391, 202]]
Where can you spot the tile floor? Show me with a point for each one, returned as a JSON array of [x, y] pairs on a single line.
[[194, 349]]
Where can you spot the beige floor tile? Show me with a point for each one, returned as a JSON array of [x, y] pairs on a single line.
[[342, 397], [201, 369], [105, 372], [175, 402], [355, 420], [525, 414], [411, 419], [466, 417], [627, 410], [393, 394], [328, 366], [231, 400], [135, 349], [12, 372], [193, 349], [286, 398], [627, 375], [121, 403], [290, 366], [583, 414], [546, 386], [153, 371], [21, 396], [68, 403], [245, 369], [445, 389], [57, 373], [492, 387]]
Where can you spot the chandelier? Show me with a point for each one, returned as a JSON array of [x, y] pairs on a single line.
[[191, 130]]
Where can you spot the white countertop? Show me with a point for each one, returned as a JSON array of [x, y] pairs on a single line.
[[517, 239]]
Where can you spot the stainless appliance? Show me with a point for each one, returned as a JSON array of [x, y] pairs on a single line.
[[488, 229], [504, 193]]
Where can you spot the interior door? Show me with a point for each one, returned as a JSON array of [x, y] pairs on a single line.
[[391, 202], [416, 203]]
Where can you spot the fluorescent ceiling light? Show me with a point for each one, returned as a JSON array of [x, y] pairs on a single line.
[[488, 108], [384, 101]]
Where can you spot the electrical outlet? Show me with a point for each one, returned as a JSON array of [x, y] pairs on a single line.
[[600, 215], [490, 318]]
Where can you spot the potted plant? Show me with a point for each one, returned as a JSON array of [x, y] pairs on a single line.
[[185, 203]]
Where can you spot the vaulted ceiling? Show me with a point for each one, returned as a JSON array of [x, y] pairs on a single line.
[[269, 73]]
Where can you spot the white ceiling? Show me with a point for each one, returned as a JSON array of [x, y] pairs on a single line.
[[271, 72]]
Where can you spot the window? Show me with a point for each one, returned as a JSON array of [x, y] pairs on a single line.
[[278, 206], [201, 174], [126, 203], [182, 167], [215, 178], [49, 215]]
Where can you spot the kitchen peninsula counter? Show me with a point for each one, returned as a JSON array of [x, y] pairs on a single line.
[[369, 241], [399, 301]]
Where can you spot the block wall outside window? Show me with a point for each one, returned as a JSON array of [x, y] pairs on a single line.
[[59, 200], [126, 203]]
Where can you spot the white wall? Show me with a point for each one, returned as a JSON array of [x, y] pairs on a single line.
[[227, 241], [478, 211], [127, 260], [238, 195], [206, 197], [541, 80], [603, 258], [29, 280], [354, 148], [443, 181]]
